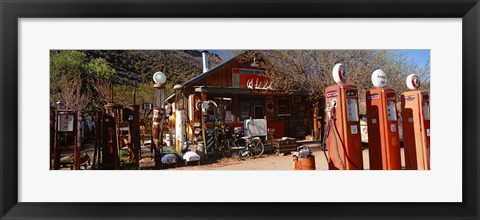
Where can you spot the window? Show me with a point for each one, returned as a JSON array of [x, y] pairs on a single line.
[[352, 113], [391, 111], [224, 110], [283, 109], [243, 110], [229, 117]]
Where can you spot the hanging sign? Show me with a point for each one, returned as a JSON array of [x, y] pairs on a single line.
[[65, 122]]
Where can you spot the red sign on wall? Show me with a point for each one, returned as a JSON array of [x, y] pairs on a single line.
[[248, 78]]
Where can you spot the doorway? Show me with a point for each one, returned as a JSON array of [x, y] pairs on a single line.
[[258, 112]]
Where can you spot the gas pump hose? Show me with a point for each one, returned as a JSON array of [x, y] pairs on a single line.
[[335, 131], [325, 135]]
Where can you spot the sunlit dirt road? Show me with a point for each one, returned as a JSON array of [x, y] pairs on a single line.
[[270, 162]]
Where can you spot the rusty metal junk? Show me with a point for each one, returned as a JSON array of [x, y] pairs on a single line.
[[110, 139], [303, 159]]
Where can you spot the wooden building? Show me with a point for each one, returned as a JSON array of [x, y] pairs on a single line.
[[240, 90]]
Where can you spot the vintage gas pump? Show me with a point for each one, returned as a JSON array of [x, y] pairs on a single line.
[[158, 118], [110, 136], [416, 126], [208, 125], [180, 120], [158, 110], [342, 132], [383, 137]]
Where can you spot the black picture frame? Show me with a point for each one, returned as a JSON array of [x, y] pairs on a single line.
[[11, 11]]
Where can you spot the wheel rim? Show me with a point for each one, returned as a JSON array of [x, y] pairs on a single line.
[[257, 148]]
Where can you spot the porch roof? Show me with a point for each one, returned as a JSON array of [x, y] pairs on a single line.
[[245, 91], [222, 90]]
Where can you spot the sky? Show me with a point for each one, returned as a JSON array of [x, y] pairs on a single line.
[[419, 56]]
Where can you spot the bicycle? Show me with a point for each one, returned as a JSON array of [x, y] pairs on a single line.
[[225, 144], [247, 146], [238, 146], [252, 147]]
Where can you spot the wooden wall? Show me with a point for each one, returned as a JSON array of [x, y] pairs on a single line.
[[223, 76]]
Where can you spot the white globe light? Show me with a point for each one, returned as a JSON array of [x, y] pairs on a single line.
[[339, 73], [413, 82], [379, 78], [159, 77]]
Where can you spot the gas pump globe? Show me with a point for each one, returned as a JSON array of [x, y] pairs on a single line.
[[379, 79], [339, 73], [159, 77]]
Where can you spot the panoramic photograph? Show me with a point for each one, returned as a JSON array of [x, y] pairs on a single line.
[[199, 110]]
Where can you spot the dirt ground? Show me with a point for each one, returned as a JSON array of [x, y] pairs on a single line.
[[268, 161], [271, 162]]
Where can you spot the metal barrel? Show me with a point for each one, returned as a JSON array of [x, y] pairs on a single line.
[[305, 163]]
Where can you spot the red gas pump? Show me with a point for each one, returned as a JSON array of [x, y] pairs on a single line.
[[383, 137], [416, 126], [342, 132]]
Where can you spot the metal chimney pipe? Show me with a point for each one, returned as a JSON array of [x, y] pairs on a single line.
[[205, 60]]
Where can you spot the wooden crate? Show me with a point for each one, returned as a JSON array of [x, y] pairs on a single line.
[[284, 146], [287, 141]]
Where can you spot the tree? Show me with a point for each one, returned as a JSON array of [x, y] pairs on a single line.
[[311, 70], [80, 81]]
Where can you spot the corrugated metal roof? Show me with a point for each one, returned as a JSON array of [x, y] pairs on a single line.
[[169, 97]]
